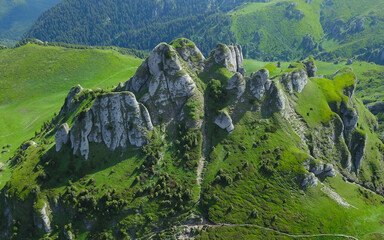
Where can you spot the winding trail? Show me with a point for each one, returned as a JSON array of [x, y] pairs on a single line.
[[200, 166], [271, 230]]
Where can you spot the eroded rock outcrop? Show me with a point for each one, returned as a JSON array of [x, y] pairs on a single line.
[[296, 80], [310, 180], [42, 220], [169, 80], [115, 119], [320, 169], [237, 81], [230, 56], [69, 104], [310, 66], [259, 83], [62, 136], [190, 54], [224, 121]]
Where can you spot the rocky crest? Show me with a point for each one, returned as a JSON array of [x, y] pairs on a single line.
[[69, 104], [170, 81], [62, 136], [167, 83], [115, 119], [230, 56]]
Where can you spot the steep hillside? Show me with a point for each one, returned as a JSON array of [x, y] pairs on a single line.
[[268, 30], [17, 16], [192, 147], [35, 79], [369, 86]]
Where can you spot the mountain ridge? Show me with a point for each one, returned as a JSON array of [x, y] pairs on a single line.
[[286, 139]]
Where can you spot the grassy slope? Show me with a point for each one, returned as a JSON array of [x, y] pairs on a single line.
[[244, 193], [35, 80], [272, 198], [347, 11], [370, 78], [281, 37]]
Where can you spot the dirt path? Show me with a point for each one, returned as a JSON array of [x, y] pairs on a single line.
[[271, 230], [200, 167], [335, 196]]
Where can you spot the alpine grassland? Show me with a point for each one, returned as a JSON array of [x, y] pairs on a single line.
[[35, 79], [286, 151]]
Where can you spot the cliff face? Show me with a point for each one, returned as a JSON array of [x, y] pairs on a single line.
[[167, 83], [115, 119]]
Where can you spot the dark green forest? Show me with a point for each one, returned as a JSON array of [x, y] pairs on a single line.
[[136, 24]]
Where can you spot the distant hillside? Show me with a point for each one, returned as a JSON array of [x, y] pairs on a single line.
[[268, 30], [17, 16], [34, 80]]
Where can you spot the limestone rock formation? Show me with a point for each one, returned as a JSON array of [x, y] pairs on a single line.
[[115, 119], [310, 67], [190, 54], [42, 219], [230, 56], [349, 62], [224, 121], [169, 80], [329, 170], [28, 144], [69, 105], [275, 101], [309, 180], [237, 82], [296, 80], [259, 83], [321, 169], [350, 117], [62, 136]]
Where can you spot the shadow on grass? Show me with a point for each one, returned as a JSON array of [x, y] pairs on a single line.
[[64, 166]]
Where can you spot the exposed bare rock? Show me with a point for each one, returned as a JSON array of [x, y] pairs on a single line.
[[190, 54], [237, 82], [310, 67], [350, 117], [296, 80], [349, 62], [258, 83], [224, 121], [169, 81], [115, 119], [62, 136], [69, 105], [230, 56], [276, 101], [310, 180], [329, 170], [357, 148], [317, 168], [42, 219], [320, 169]]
